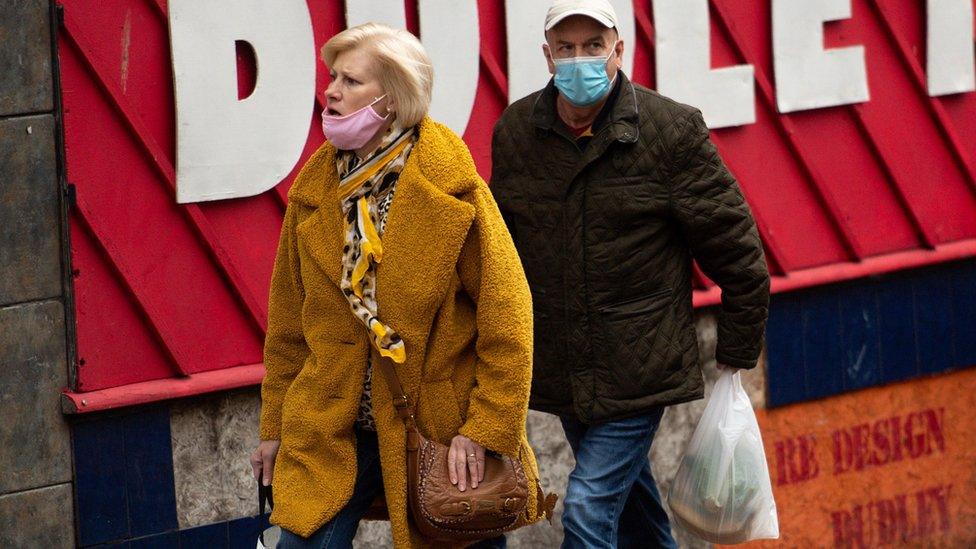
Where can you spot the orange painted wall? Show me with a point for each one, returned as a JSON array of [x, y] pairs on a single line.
[[891, 466]]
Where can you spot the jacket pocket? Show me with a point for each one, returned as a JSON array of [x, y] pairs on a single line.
[[630, 341], [636, 305]]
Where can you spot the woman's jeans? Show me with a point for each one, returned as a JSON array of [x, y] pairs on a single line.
[[611, 500], [339, 532]]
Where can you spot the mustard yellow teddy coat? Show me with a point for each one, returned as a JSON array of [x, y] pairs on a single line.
[[450, 283]]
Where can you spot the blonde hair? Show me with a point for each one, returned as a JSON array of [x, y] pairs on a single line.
[[402, 65]]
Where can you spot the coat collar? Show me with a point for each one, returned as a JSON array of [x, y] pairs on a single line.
[[622, 121]]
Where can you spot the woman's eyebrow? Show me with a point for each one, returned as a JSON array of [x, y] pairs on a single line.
[[345, 73]]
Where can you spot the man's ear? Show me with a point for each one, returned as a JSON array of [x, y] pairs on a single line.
[[548, 54], [619, 50]]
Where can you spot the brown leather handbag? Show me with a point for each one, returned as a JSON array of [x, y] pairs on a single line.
[[439, 510]]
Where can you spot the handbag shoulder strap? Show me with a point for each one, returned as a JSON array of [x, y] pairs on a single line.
[[400, 399]]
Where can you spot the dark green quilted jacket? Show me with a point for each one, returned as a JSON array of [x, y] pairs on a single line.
[[607, 234]]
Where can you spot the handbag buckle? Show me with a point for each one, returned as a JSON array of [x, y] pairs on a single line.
[[401, 402], [510, 504], [456, 509]]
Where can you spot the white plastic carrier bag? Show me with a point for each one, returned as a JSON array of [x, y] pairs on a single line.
[[722, 492]]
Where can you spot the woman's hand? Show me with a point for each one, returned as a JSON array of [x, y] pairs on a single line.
[[263, 460], [465, 457]]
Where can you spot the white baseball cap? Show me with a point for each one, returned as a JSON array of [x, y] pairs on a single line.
[[600, 10]]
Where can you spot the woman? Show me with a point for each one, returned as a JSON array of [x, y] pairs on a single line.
[[392, 247]]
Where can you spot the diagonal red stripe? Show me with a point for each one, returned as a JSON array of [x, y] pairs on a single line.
[[197, 219]]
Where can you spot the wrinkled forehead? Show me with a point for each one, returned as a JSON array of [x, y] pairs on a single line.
[[578, 29], [354, 61]]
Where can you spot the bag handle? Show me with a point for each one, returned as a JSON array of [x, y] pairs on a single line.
[[265, 497], [401, 401], [265, 501]]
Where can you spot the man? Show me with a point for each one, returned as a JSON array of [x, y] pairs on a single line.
[[610, 190]]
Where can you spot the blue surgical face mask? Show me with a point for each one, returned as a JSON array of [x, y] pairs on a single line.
[[583, 81]]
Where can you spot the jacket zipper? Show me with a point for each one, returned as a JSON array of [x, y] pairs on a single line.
[[586, 293]]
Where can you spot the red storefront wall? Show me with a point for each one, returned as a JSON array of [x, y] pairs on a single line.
[[172, 299]]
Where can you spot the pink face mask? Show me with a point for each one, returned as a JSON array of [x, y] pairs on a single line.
[[353, 130]]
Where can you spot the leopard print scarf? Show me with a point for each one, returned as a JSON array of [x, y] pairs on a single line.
[[366, 191]]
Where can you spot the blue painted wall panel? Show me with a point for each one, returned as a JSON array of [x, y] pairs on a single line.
[[100, 490], [784, 342], [933, 322], [896, 323], [169, 540], [964, 315], [860, 343], [149, 473], [243, 533], [829, 340], [212, 536], [822, 350]]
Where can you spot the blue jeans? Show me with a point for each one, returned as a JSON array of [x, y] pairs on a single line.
[[612, 500], [339, 532]]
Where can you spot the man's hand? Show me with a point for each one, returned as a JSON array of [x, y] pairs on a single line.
[[263, 460], [465, 457]]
